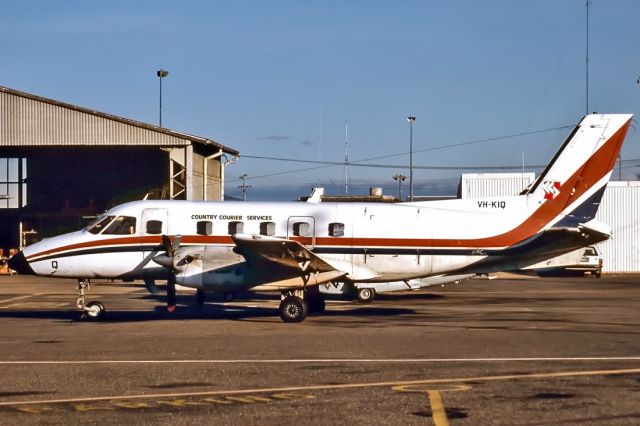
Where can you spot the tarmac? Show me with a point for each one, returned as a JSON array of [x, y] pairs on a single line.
[[510, 351]]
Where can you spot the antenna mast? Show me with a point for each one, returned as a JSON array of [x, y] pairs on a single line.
[[346, 157]]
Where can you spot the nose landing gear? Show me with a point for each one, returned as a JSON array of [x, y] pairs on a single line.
[[92, 311]]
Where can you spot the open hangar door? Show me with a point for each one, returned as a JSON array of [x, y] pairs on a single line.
[[57, 190]]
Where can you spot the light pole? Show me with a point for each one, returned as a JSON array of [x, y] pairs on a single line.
[[161, 74], [400, 179], [411, 119], [244, 187], [586, 79]]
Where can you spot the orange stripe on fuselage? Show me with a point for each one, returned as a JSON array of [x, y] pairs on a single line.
[[131, 241]]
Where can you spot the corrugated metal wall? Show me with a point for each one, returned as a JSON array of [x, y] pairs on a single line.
[[30, 122], [482, 185], [620, 208]]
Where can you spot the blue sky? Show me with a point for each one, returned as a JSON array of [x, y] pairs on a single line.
[[279, 78]]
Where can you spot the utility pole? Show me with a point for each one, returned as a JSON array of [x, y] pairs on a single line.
[[244, 187], [411, 119], [588, 3], [400, 179]]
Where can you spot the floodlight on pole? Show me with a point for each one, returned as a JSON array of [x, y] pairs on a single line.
[[411, 119], [161, 73], [244, 187], [400, 178]]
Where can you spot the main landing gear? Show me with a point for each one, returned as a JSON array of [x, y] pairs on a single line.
[[366, 295], [92, 311], [297, 304]]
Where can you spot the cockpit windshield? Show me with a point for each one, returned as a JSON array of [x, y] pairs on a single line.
[[113, 225], [98, 224]]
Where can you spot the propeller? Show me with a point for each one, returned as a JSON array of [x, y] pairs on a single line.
[[171, 292], [170, 247]]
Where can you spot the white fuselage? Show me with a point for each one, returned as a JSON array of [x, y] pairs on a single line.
[[373, 242]]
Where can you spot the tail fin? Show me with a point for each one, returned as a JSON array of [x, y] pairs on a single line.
[[574, 181]]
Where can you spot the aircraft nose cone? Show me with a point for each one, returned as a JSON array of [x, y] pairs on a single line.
[[19, 264]]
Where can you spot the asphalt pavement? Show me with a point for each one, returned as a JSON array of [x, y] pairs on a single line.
[[506, 351]]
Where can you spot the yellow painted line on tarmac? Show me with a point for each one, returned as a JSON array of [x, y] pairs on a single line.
[[530, 376], [438, 412]]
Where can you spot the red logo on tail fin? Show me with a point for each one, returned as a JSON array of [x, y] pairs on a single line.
[[551, 189]]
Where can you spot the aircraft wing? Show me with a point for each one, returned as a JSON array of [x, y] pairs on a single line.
[[292, 264]]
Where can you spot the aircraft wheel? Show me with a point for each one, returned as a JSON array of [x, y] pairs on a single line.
[[293, 309], [201, 297], [366, 295], [229, 297], [94, 311]]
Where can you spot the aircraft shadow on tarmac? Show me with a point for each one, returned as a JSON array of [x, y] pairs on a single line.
[[186, 310]]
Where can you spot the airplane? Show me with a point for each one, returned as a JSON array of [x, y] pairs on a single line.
[[295, 247]]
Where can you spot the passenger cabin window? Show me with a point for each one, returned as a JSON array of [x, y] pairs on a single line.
[[336, 229], [236, 228], [267, 228], [154, 227], [302, 229], [204, 227]]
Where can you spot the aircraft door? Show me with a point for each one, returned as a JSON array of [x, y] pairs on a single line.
[[303, 230]]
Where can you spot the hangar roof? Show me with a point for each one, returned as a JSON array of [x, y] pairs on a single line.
[[28, 120]]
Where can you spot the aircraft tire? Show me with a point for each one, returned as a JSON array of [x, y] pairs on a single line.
[[94, 311], [293, 309], [366, 295]]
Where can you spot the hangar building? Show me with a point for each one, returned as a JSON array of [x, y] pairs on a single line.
[[60, 163]]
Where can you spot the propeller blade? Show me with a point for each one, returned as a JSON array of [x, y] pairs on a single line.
[[168, 246], [151, 286], [171, 293], [175, 242]]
